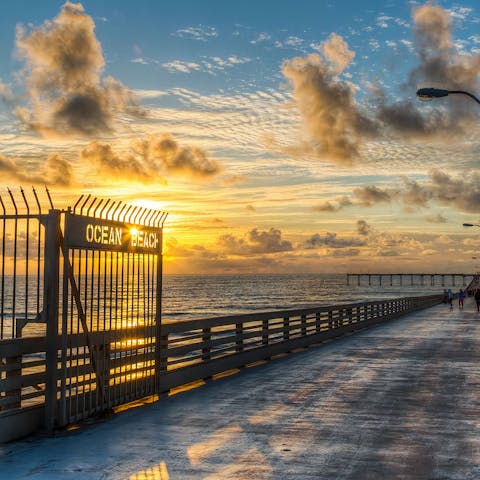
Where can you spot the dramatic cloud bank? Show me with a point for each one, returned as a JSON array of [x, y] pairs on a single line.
[[337, 127], [457, 192], [63, 65], [330, 116], [55, 171], [255, 242], [147, 160]]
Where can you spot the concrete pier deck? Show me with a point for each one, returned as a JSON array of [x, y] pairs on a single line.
[[398, 401]]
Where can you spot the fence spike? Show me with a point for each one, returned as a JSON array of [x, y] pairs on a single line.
[[49, 197], [140, 210], [25, 200], [100, 214], [120, 214], [149, 217], [116, 209], [36, 199], [127, 214], [84, 203], [77, 202], [163, 218], [156, 217], [143, 216], [13, 201], [107, 213], [92, 203]]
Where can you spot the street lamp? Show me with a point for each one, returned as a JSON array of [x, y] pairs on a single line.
[[427, 94]]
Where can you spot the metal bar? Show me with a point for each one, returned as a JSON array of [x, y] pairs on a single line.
[[100, 214], [38, 249], [158, 314], [139, 209], [27, 250], [96, 207], [120, 213], [84, 203], [76, 203], [49, 198], [2, 293], [51, 298], [14, 286], [64, 348], [115, 210], [127, 214]]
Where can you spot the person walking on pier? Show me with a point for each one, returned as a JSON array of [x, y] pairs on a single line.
[[450, 298], [461, 298], [477, 298]]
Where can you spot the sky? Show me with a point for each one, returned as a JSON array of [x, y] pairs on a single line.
[[281, 137]]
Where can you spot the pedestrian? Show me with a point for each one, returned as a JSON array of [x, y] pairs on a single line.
[[461, 298], [477, 298], [450, 298]]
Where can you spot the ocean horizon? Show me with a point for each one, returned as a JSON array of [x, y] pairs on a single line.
[[199, 296]]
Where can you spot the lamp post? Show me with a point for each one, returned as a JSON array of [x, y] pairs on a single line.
[[427, 94]]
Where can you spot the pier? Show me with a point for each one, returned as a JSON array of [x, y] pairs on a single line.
[[375, 389], [396, 401], [409, 279]]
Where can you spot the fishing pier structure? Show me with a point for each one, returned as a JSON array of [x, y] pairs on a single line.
[[409, 279]]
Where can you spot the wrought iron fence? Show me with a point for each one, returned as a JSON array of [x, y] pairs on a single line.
[[80, 293]]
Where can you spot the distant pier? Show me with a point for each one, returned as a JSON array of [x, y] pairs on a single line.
[[409, 279]]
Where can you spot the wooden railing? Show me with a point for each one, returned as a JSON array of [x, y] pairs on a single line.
[[197, 349], [174, 354]]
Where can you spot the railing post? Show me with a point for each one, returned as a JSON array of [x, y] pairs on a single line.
[[162, 359], [265, 332], [317, 322], [330, 320], [239, 337], [13, 367], [206, 339], [304, 325], [286, 328], [50, 306]]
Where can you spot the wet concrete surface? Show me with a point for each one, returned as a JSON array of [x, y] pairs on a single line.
[[398, 401]]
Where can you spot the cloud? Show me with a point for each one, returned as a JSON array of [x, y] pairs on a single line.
[[201, 33], [370, 195], [332, 241], [182, 67], [438, 218], [440, 65], [55, 171], [330, 116], [63, 65], [363, 228], [335, 206], [255, 242], [414, 194], [464, 194], [454, 191], [148, 159], [261, 37]]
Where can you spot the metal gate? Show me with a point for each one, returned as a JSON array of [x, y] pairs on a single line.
[[98, 271]]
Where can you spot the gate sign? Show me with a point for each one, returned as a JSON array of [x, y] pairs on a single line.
[[100, 234]]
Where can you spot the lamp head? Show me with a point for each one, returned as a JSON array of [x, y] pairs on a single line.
[[427, 94]]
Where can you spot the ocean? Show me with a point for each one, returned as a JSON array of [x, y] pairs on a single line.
[[189, 297], [201, 296]]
